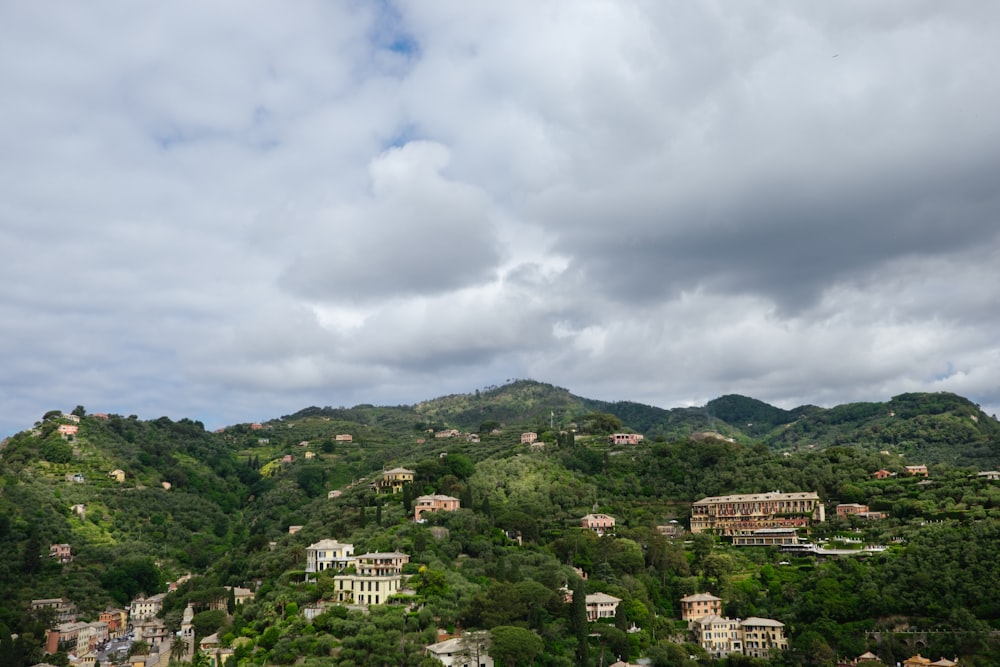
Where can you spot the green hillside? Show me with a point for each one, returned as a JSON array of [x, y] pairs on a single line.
[[219, 506]]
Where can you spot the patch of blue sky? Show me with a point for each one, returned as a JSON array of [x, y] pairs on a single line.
[[389, 31], [403, 135]]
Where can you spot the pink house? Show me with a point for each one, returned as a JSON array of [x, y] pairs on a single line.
[[434, 503], [66, 430], [625, 438], [599, 523], [883, 474], [61, 552]]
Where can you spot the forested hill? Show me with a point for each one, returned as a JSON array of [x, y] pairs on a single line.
[[220, 505], [935, 427]]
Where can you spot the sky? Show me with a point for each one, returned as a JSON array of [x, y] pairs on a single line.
[[230, 211]]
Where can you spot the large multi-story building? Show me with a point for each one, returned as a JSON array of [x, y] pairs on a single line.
[[762, 637], [745, 513], [753, 637], [65, 611], [719, 636], [143, 608], [376, 577]]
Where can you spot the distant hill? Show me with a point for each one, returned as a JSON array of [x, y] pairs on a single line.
[[936, 427]]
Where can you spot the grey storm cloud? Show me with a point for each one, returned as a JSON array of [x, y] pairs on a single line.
[[228, 213]]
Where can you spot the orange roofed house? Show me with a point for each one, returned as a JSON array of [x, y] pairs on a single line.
[[434, 503]]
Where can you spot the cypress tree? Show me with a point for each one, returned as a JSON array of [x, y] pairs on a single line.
[[578, 622]]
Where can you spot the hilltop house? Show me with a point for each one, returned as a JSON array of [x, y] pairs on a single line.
[[699, 605], [743, 514], [343, 437], [434, 503], [393, 481], [328, 554], [68, 430], [376, 576], [528, 438], [61, 552], [469, 650], [625, 438], [599, 523], [916, 471], [601, 605]]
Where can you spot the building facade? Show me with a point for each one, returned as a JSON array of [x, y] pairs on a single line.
[[745, 513], [601, 605], [375, 578], [328, 554], [767, 537], [599, 523], [434, 503], [700, 605], [470, 650], [762, 637], [393, 481]]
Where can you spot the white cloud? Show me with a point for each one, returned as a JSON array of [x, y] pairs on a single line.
[[232, 211]]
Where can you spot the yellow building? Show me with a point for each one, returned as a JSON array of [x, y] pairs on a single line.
[[745, 513], [392, 481]]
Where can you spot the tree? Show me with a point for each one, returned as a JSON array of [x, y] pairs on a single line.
[[474, 645], [578, 622], [32, 558], [140, 647], [79, 411], [514, 646], [178, 649]]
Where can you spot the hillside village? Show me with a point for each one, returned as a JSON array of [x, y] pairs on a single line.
[[374, 536]]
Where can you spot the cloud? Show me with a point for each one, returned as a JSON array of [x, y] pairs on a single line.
[[418, 233], [230, 212]]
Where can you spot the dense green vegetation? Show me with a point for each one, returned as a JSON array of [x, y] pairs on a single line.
[[233, 495]]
